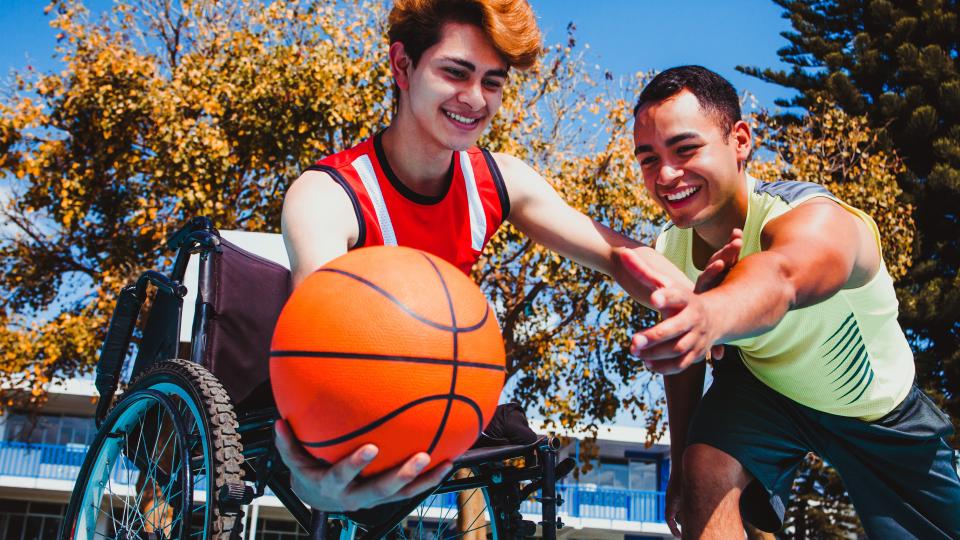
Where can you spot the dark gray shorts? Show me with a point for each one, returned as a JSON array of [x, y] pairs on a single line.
[[899, 470]]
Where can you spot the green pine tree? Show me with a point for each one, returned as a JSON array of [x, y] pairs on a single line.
[[897, 63]]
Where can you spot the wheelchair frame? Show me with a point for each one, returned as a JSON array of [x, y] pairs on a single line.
[[261, 462]]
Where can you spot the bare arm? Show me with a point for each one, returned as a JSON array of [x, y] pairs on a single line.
[[539, 212], [318, 223], [801, 265]]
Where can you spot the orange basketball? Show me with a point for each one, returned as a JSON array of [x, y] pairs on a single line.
[[390, 346]]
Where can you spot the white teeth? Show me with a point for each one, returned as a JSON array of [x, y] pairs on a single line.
[[462, 119], [680, 195]]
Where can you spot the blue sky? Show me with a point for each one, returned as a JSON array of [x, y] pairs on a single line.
[[624, 35], [631, 35]]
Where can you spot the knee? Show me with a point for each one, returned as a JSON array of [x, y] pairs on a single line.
[[706, 467]]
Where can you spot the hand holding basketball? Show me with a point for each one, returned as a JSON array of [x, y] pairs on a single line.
[[335, 488], [390, 346]]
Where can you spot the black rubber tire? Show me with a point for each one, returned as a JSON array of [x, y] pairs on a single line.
[[221, 450]]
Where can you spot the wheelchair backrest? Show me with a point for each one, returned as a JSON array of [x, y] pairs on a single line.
[[246, 293]]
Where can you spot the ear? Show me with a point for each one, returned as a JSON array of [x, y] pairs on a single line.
[[400, 65], [742, 140]]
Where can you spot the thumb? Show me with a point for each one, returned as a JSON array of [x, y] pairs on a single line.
[[669, 298], [711, 276]]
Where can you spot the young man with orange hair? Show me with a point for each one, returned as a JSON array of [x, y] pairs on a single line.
[[423, 183]]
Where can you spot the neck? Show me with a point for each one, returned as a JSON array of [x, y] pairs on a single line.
[[419, 163], [714, 233]]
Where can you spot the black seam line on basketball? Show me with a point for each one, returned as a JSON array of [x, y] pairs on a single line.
[[414, 314], [383, 357], [453, 377], [389, 416]]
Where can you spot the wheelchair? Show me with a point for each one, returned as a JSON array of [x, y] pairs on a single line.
[[189, 442]]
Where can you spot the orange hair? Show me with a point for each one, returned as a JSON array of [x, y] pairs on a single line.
[[509, 24]]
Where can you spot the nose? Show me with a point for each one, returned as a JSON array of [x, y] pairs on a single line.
[[472, 96], [669, 174]]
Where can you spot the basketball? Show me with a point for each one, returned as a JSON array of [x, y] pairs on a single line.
[[390, 346]]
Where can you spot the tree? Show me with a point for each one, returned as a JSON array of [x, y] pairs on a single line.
[[169, 110], [896, 62]]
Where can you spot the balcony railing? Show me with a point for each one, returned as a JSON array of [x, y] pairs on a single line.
[[606, 503], [49, 461], [62, 462]]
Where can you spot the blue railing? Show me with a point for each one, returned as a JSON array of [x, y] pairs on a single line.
[[588, 501], [52, 461], [61, 462]]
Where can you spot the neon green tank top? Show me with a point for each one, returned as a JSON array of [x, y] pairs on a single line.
[[846, 355]]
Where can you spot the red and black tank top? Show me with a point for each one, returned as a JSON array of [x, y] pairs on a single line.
[[454, 225]]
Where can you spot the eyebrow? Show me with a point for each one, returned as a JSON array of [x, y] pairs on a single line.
[[472, 67], [670, 142]]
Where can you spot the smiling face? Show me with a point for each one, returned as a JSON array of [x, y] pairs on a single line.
[[690, 167], [454, 90]]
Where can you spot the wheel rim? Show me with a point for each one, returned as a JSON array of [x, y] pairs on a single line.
[[119, 496]]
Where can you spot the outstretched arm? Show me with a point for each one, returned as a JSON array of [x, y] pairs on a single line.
[[800, 265], [539, 212]]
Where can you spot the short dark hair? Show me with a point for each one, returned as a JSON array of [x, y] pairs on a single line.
[[715, 94]]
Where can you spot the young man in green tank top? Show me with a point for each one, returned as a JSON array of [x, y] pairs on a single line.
[[822, 364]]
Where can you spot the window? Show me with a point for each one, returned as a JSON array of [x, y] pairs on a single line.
[[608, 474], [52, 429], [29, 520], [643, 475], [638, 474]]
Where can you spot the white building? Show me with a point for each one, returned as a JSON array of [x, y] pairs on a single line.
[[621, 498]]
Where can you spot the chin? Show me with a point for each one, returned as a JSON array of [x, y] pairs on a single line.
[[458, 144]]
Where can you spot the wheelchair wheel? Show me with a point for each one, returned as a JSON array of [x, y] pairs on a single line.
[[160, 462], [467, 514], [464, 514]]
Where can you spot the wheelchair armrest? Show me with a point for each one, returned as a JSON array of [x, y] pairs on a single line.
[[476, 456]]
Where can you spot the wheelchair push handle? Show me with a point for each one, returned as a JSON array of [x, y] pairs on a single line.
[[196, 224]]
